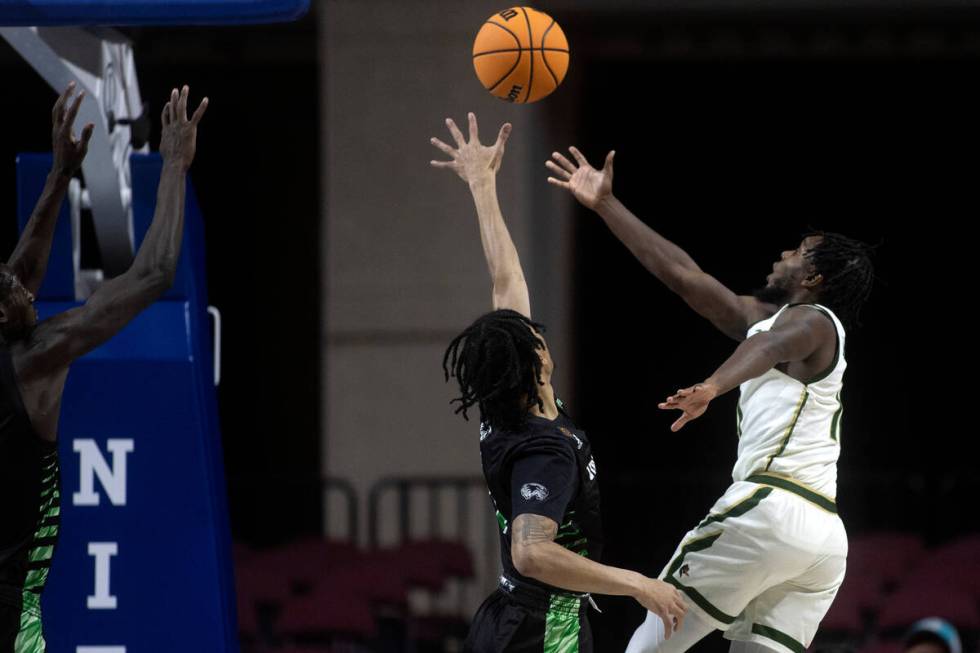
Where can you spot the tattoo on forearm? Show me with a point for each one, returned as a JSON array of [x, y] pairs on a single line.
[[535, 528]]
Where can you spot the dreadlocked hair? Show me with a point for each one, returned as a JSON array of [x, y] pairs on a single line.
[[848, 274], [496, 362]]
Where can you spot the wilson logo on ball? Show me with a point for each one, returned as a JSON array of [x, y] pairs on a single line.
[[520, 55]]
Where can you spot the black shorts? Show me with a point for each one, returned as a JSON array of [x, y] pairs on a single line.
[[509, 623]]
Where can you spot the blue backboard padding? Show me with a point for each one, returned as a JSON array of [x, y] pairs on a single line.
[[149, 12], [145, 174], [152, 383], [161, 332], [32, 171], [169, 553], [59, 281]]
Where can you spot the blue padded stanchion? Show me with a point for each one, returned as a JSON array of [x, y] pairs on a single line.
[[144, 558]]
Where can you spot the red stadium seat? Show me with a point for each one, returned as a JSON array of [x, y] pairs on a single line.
[[845, 615], [966, 547], [947, 569], [256, 584], [884, 556], [418, 567], [454, 558], [301, 561], [374, 579], [914, 602], [326, 613], [883, 646]]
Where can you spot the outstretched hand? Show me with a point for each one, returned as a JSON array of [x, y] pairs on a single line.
[[471, 160], [588, 185], [178, 142], [691, 401], [69, 152]]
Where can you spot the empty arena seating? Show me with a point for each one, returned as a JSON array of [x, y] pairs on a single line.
[[893, 580], [315, 593]]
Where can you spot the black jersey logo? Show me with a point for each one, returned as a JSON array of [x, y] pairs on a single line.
[[484, 431], [534, 491], [685, 571]]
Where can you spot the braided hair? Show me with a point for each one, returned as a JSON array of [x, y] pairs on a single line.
[[496, 362], [848, 274]]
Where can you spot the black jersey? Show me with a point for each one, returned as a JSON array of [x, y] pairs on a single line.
[[29, 510], [546, 469]]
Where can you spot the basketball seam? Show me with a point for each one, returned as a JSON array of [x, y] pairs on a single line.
[[507, 29], [508, 73], [544, 37], [530, 38], [480, 54], [520, 53]]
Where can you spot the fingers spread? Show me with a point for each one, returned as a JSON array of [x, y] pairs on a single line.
[[442, 146], [165, 114], [560, 184], [441, 164], [454, 130], [87, 134], [173, 104], [578, 156], [503, 135], [609, 161], [73, 110], [474, 133], [199, 113], [182, 102], [565, 163], [555, 168], [59, 105]]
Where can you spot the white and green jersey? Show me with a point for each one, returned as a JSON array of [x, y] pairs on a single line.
[[789, 429]]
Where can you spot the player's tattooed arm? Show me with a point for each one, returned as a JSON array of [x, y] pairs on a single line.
[[732, 314], [56, 342], [536, 555], [30, 258], [800, 334], [477, 165], [531, 529]]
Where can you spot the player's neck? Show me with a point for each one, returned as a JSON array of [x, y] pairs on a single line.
[[802, 296], [547, 395]]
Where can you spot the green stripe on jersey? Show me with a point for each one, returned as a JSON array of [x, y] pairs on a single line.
[[779, 636], [790, 428], [835, 423], [739, 508], [799, 490]]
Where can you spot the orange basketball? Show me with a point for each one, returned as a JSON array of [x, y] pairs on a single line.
[[520, 55]]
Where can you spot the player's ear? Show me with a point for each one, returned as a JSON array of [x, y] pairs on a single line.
[[812, 280]]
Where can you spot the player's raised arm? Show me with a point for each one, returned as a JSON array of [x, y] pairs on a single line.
[[60, 340], [799, 334], [730, 313], [477, 165], [30, 258]]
